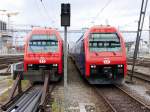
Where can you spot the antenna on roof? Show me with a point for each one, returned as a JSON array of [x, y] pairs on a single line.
[[107, 22]]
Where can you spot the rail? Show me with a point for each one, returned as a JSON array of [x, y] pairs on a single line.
[[31, 100], [120, 101]]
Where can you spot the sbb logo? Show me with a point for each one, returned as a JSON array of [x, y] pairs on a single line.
[[42, 60], [106, 61]]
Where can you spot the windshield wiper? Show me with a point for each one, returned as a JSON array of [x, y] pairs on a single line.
[[96, 53], [114, 52], [31, 49]]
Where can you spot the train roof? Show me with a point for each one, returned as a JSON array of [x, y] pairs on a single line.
[[43, 30], [102, 29], [99, 29], [39, 31]]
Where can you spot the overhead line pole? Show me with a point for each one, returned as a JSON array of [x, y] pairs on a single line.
[[149, 33], [139, 32]]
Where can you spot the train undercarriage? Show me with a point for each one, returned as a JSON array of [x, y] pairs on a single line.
[[35, 72], [106, 74]]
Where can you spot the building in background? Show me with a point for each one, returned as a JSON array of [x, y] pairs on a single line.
[[143, 48], [6, 39]]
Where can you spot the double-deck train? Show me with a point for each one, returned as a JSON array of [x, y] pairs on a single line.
[[43, 51], [100, 55]]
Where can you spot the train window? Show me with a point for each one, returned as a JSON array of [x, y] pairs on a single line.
[[90, 44], [106, 44], [44, 37], [104, 37], [99, 42], [30, 43], [53, 43], [34, 43], [39, 43], [94, 44], [48, 43], [43, 43], [53, 37]]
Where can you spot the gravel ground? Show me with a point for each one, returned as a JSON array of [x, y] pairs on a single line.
[[4, 86], [81, 97], [121, 101], [140, 89], [56, 99], [4, 77]]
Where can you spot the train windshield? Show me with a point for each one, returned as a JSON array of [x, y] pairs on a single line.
[[43, 43], [104, 42]]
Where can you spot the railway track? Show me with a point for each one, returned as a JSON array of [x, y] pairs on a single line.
[[5, 62], [31, 100], [28, 101], [139, 62], [144, 62], [119, 100], [140, 76], [10, 61]]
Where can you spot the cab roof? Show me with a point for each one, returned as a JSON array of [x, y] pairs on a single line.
[[40, 31], [43, 31], [102, 29]]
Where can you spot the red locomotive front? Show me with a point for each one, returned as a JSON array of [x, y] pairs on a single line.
[[100, 55], [105, 54], [43, 51]]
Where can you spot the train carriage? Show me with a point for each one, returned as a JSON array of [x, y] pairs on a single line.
[[100, 55]]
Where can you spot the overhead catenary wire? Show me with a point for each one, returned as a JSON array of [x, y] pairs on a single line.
[[101, 10], [47, 13], [40, 11]]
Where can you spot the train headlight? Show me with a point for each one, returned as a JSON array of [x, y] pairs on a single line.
[[93, 66], [30, 65], [120, 66], [120, 69], [55, 65]]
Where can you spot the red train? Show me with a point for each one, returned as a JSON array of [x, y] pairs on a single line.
[[100, 55], [43, 51]]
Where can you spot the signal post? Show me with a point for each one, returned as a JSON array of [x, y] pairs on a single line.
[[65, 22]]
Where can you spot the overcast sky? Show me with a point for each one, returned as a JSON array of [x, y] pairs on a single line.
[[84, 13]]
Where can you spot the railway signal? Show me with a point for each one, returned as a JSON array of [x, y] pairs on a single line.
[[65, 21], [65, 15]]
